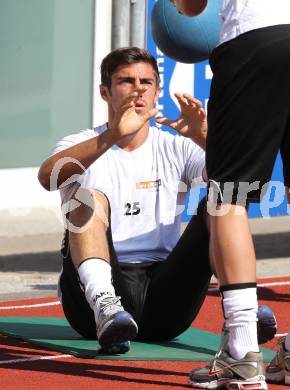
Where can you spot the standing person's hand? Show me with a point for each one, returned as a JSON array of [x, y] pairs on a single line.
[[192, 122], [127, 120], [190, 7]]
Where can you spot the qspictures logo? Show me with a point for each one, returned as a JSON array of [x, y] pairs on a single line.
[[80, 196]]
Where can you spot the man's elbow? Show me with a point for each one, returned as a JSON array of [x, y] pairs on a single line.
[[44, 179], [44, 176], [190, 7]]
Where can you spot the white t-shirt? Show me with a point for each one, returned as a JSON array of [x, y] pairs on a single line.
[[146, 189], [240, 16]]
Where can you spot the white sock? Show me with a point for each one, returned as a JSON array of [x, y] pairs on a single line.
[[240, 311], [96, 280], [287, 342]]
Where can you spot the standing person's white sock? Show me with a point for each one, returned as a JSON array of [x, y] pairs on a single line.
[[240, 307]]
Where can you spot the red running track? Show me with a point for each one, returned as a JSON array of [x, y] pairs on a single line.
[[26, 367]]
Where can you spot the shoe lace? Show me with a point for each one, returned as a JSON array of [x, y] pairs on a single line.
[[280, 342], [222, 348], [212, 364], [107, 302]]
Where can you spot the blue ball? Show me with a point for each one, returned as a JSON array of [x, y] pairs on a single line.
[[183, 38], [266, 325]]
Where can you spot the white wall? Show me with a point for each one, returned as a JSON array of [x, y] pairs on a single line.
[[20, 191]]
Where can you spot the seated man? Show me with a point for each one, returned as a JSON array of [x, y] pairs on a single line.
[[140, 281]]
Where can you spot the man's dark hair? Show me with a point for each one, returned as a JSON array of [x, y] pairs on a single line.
[[125, 56]]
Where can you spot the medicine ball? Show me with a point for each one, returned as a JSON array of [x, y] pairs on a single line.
[[183, 38]]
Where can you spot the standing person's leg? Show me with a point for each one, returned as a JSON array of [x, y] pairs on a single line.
[[278, 371], [279, 368], [178, 285], [243, 139], [88, 294]]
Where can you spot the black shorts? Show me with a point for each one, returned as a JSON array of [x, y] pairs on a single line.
[[163, 297], [249, 109]]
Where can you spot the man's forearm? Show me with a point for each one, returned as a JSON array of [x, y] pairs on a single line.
[[201, 142], [84, 154]]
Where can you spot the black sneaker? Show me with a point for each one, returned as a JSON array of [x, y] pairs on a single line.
[[115, 326]]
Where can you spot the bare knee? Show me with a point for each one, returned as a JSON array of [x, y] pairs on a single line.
[[88, 226], [101, 203], [89, 205]]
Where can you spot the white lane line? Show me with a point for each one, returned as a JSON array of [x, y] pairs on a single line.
[[212, 289], [274, 284], [34, 359], [30, 306]]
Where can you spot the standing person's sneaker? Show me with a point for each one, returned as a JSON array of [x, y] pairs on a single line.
[[266, 324], [224, 371], [115, 326], [279, 368]]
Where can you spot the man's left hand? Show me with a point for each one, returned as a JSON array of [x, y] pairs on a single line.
[[192, 122]]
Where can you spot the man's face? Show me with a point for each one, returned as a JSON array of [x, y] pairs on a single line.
[[127, 79]]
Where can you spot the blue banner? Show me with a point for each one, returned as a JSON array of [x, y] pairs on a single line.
[[196, 80]]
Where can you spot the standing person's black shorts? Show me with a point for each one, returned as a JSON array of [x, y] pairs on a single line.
[[163, 297], [249, 108]]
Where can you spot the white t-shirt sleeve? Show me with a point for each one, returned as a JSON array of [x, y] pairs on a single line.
[[69, 190], [72, 140], [193, 159]]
